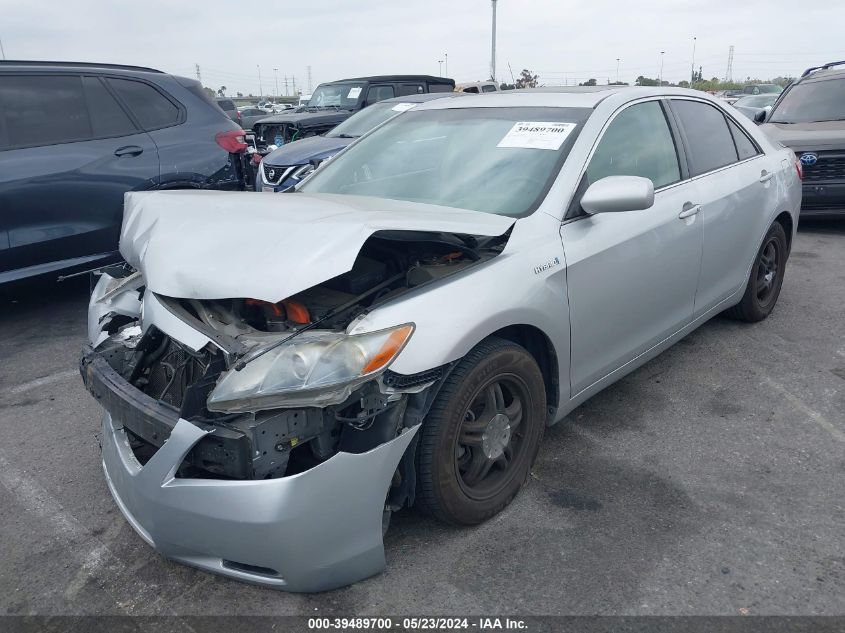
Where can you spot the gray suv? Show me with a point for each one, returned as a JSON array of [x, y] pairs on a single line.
[[809, 118]]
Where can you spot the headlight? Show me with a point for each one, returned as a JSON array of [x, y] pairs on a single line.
[[316, 369]]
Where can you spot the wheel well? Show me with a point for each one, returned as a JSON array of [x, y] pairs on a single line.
[[540, 347], [785, 220]]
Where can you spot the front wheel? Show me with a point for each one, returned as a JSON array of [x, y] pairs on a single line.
[[481, 435], [765, 279]]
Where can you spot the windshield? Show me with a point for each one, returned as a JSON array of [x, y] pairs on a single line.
[[811, 102], [495, 160], [769, 89], [759, 101], [338, 95], [365, 120]]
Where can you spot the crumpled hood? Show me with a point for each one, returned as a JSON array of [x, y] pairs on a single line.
[[808, 136], [217, 244]]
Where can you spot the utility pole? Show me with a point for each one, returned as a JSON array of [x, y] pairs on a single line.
[[493, 47], [729, 75], [660, 79], [439, 67], [260, 87], [286, 85], [276, 77], [309, 80], [199, 76], [692, 66], [617, 70], [3, 52], [293, 83]]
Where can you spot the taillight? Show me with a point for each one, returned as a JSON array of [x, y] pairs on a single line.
[[800, 169], [233, 141], [239, 114]]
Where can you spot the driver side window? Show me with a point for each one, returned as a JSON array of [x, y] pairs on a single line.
[[637, 142]]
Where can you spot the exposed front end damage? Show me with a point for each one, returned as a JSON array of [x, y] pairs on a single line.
[[259, 439]]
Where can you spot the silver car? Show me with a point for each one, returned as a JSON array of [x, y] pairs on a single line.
[[281, 373], [752, 105]]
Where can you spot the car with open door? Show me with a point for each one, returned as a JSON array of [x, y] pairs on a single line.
[[281, 373]]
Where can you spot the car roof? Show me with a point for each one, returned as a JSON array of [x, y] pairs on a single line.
[[12, 64], [422, 98], [375, 78], [564, 97]]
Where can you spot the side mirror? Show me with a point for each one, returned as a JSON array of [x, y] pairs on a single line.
[[615, 194], [760, 117]]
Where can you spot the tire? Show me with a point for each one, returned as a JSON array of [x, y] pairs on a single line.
[[481, 435], [765, 279]]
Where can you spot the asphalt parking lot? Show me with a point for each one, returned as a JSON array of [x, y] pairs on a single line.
[[710, 481]]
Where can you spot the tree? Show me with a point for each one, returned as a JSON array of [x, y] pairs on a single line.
[[221, 91], [683, 84], [209, 91], [240, 94], [506, 86], [589, 82], [646, 81], [527, 79]]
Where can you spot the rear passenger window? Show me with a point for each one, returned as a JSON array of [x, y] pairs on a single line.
[[488, 88], [152, 109], [43, 110], [745, 148], [379, 93], [410, 89], [107, 117], [637, 143], [710, 142]]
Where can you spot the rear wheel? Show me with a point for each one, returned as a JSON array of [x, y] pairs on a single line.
[[765, 279], [482, 434]]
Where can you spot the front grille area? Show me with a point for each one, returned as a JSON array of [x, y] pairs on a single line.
[[829, 167], [274, 174], [172, 369]]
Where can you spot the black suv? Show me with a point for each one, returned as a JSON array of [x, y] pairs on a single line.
[[336, 101], [809, 118], [75, 137]]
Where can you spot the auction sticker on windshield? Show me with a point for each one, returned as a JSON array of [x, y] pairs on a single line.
[[353, 93], [402, 107], [537, 135]]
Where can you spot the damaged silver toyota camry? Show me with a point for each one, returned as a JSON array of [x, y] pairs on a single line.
[[282, 372]]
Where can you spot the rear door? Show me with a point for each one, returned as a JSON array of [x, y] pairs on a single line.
[[631, 276], [71, 154], [736, 192]]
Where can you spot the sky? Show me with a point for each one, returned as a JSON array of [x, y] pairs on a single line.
[[562, 41]]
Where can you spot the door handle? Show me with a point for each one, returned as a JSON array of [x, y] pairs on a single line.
[[689, 210], [129, 150], [766, 176]]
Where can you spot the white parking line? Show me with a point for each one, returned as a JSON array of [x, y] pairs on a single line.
[[44, 380], [811, 413]]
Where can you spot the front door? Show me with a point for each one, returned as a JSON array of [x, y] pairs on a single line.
[[632, 276]]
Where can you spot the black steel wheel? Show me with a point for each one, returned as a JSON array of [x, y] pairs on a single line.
[[765, 280], [482, 434]]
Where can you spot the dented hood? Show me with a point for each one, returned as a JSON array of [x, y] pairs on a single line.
[[216, 245]]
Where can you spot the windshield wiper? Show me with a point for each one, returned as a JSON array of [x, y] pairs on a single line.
[[347, 136]]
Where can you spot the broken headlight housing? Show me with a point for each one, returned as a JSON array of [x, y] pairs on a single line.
[[316, 369]]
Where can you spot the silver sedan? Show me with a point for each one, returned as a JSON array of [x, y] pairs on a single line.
[[281, 373]]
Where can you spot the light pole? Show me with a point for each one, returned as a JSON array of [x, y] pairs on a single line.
[[439, 67], [692, 66], [446, 62], [493, 47], [617, 70], [260, 87], [2, 52], [660, 80], [276, 76]]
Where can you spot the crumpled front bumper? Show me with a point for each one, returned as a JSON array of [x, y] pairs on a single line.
[[314, 531]]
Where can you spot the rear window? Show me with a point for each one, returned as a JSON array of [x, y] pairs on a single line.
[[811, 102], [152, 109], [43, 110], [710, 142], [107, 117], [226, 104]]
